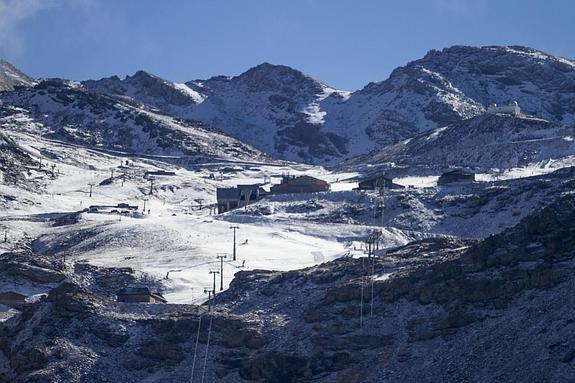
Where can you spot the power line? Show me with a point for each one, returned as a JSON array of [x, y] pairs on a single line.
[[372, 282], [207, 345], [196, 349], [361, 299]]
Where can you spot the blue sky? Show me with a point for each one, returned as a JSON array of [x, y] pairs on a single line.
[[345, 44]]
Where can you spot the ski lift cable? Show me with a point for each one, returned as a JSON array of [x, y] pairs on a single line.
[[372, 283], [196, 349], [207, 346], [361, 295]]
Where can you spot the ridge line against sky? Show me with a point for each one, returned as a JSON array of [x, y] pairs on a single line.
[[342, 44]]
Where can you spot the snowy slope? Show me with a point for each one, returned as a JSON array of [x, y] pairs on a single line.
[[65, 111], [148, 89], [483, 142], [275, 108]]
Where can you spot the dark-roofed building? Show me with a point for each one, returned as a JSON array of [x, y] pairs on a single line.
[[378, 182], [158, 173], [240, 196], [301, 184], [139, 295], [456, 176]]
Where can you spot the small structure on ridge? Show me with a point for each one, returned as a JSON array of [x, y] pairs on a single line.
[[456, 176]]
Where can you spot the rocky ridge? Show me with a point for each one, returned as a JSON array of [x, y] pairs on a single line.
[[462, 299]]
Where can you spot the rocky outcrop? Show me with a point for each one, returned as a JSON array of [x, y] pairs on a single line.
[[14, 161], [427, 292], [483, 142], [11, 78], [34, 273]]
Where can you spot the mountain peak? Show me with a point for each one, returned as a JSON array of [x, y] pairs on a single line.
[[142, 74], [492, 51], [272, 77]]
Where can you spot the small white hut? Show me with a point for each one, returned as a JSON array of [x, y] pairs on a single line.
[[512, 109]]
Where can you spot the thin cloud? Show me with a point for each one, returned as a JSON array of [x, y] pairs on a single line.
[[14, 12]]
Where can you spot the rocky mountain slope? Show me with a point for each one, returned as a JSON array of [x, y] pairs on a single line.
[[273, 107], [470, 283], [10, 77], [65, 111], [491, 141], [14, 161], [285, 113], [433, 310]]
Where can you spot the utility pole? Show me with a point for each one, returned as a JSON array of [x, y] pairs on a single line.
[[221, 257], [5, 235], [209, 292], [234, 228], [371, 241], [91, 186], [144, 209], [151, 186], [369, 244], [214, 272]]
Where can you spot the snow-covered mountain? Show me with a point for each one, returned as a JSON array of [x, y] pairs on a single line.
[[65, 111], [10, 77], [484, 142], [167, 96], [275, 108], [113, 184], [288, 114]]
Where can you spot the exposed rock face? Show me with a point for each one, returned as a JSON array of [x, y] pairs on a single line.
[[34, 273], [426, 298], [483, 142], [10, 77], [14, 161], [502, 74], [115, 335]]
